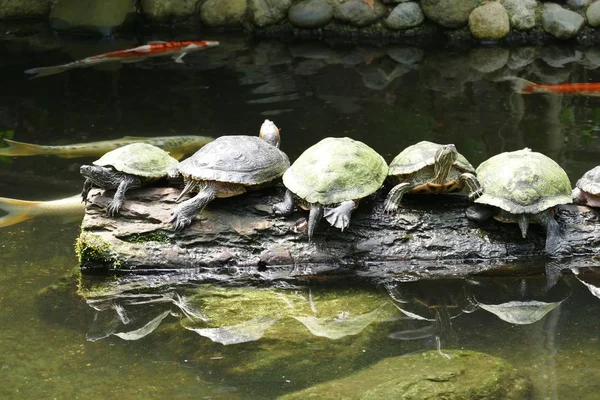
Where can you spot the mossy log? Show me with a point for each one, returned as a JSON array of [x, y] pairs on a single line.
[[239, 238]]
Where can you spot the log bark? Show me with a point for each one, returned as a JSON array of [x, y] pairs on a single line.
[[239, 238]]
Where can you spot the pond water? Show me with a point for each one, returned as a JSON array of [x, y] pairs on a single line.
[[61, 338]]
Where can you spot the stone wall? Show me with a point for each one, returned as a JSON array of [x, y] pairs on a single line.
[[479, 20]]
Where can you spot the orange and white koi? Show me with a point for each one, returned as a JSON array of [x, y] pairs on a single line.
[[177, 50], [524, 86]]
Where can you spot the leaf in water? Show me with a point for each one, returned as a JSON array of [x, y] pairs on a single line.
[[248, 331], [520, 312], [144, 330], [370, 3], [340, 326]]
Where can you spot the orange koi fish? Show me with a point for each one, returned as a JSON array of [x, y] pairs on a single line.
[[524, 86], [177, 50]]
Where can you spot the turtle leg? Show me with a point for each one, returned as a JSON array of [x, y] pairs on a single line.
[[186, 211], [394, 197], [555, 245], [470, 181], [480, 212], [340, 215], [314, 216], [286, 207], [128, 182], [189, 186], [87, 186], [523, 221]]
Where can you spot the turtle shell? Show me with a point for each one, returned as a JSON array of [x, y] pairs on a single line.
[[140, 159], [248, 160], [590, 181], [523, 182], [421, 155], [335, 170]]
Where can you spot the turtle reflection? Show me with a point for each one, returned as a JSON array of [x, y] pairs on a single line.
[[519, 301], [590, 277]]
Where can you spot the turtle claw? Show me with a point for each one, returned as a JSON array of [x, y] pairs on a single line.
[[179, 221], [113, 209], [390, 207]]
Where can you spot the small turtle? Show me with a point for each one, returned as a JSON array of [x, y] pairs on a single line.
[[587, 190], [523, 186], [128, 167], [229, 166], [428, 167], [330, 178]]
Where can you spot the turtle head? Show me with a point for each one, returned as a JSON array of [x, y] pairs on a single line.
[[444, 158], [269, 132], [103, 177]]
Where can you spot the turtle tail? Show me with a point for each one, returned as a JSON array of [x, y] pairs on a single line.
[[18, 211]]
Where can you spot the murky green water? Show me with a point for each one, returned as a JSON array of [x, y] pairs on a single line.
[[55, 343]]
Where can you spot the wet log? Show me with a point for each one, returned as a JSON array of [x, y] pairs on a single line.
[[239, 238]]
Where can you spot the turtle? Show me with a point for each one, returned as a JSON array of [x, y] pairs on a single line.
[[587, 189], [127, 167], [329, 179], [428, 167], [229, 166], [522, 186]]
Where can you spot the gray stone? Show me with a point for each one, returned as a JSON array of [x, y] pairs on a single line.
[[521, 13], [405, 55], [559, 56], [405, 15], [358, 13], [464, 375], [592, 56], [489, 22], [593, 14], [488, 59], [24, 8], [520, 57], [311, 14], [449, 13], [578, 4], [91, 16], [168, 10], [223, 13], [560, 22], [268, 12]]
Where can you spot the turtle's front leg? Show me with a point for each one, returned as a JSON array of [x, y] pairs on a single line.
[[394, 197], [340, 215], [187, 211], [472, 184], [286, 207], [128, 182], [87, 186]]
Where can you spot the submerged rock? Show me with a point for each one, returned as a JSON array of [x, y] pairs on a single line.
[[24, 8], [358, 13], [404, 16], [223, 13], [91, 16], [311, 13], [560, 22], [449, 13], [466, 375], [489, 22]]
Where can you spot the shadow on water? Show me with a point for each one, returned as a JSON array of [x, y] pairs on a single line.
[[165, 337]]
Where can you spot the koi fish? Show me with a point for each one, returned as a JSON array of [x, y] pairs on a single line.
[[177, 50], [177, 146], [524, 86], [22, 210]]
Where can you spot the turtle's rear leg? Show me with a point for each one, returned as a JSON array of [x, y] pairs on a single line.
[[128, 182], [480, 212], [394, 197], [186, 211], [314, 216], [556, 246], [472, 184], [286, 207], [340, 215]]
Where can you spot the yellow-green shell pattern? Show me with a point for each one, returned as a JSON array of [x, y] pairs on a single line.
[[335, 170], [140, 159]]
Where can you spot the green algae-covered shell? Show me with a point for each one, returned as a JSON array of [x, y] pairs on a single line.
[[421, 155], [248, 160], [522, 182], [590, 181], [140, 159], [335, 170]]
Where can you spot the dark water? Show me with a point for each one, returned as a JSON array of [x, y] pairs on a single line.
[[62, 341]]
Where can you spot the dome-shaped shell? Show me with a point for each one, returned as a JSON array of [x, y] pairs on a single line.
[[523, 182], [590, 181], [140, 159], [336, 170], [248, 160], [420, 155]]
